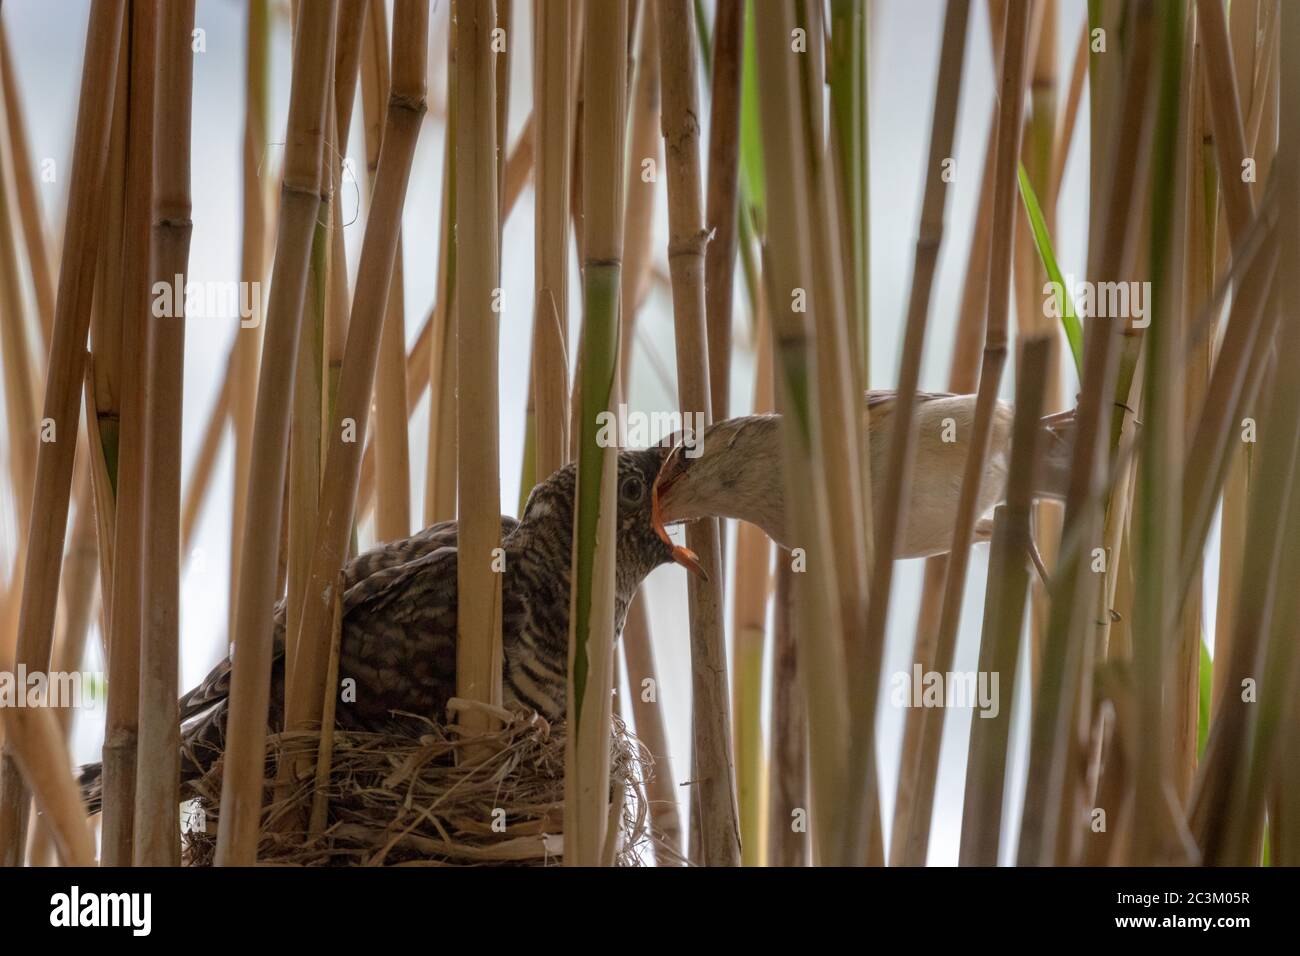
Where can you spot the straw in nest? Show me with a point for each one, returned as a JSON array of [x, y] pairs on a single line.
[[402, 798]]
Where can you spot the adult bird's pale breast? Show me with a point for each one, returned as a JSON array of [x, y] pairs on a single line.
[[944, 426]]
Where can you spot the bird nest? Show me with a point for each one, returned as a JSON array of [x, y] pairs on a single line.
[[407, 798]]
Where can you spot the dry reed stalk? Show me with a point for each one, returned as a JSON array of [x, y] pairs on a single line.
[[19, 365], [325, 758], [299, 205], [1260, 85], [753, 554], [1106, 76], [79, 606], [714, 795], [347, 60], [651, 727], [343, 94], [1269, 777], [106, 367], [577, 35], [418, 362], [135, 457], [102, 371], [1261, 119], [312, 388], [20, 153], [1229, 779], [817, 613], [1030, 277], [308, 670], [1234, 509], [1115, 634], [1065, 668], [501, 67], [639, 656], [320, 342], [478, 581], [1111, 634], [849, 74], [1232, 384], [721, 216], [591, 603], [442, 454], [1243, 28], [1262, 138], [1111, 762], [646, 137], [356, 43], [1225, 115], [417, 380], [902, 436], [1069, 118], [214, 433], [21, 378], [553, 83], [753, 581], [441, 498], [753, 567], [963, 379], [391, 441], [1004, 612], [1015, 43], [247, 347], [393, 450], [39, 752], [1283, 809], [105, 510], [35, 755], [157, 794], [842, 420], [787, 841], [1196, 289], [1112, 648], [355, 46], [518, 170]]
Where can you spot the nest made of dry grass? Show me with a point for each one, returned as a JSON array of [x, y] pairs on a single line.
[[402, 798]]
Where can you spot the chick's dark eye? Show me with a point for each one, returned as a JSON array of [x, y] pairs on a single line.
[[632, 489]]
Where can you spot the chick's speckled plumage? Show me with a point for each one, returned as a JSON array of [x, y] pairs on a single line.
[[399, 617]]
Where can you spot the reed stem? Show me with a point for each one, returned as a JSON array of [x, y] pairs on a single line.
[[591, 604], [714, 791], [157, 792], [245, 756], [35, 757]]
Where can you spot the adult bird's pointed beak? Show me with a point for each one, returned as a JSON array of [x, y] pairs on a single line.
[[670, 472]]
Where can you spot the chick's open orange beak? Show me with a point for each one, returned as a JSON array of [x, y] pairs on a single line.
[[669, 472]]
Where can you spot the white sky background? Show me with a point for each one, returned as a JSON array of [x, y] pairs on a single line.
[[47, 38]]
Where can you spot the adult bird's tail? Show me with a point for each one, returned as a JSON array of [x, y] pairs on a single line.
[[203, 713], [202, 743]]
